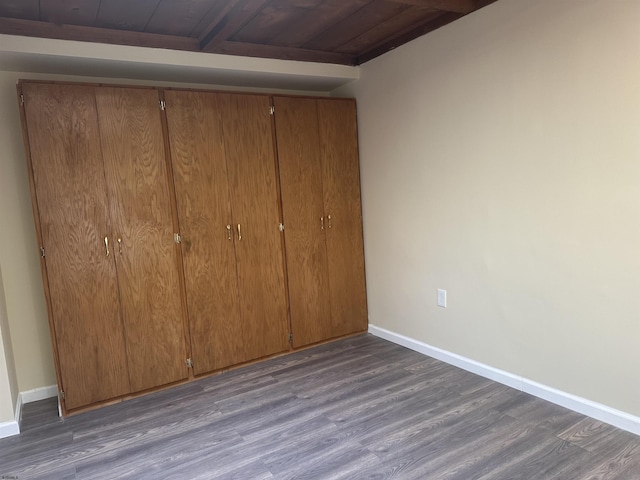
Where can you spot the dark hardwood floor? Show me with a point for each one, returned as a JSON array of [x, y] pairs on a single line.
[[360, 408]]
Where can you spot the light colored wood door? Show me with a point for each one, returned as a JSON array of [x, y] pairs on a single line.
[[204, 210], [249, 147], [341, 183], [298, 140], [146, 257], [73, 210]]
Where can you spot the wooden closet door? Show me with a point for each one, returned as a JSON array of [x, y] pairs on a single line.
[[147, 257], [341, 182], [202, 192], [248, 139], [73, 211], [298, 141]]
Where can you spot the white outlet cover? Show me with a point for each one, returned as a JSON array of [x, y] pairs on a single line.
[[442, 298]]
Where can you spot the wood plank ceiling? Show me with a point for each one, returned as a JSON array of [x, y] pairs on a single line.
[[347, 32]]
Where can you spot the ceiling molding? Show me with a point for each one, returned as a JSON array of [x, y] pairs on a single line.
[[82, 59], [283, 53]]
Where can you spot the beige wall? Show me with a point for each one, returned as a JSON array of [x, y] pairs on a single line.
[[8, 380], [501, 161], [19, 254]]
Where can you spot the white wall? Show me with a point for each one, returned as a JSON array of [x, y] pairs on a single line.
[[500, 160]]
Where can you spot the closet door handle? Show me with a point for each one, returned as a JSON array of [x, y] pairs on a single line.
[[120, 246], [228, 232], [239, 233], [329, 218], [321, 223], [106, 245]]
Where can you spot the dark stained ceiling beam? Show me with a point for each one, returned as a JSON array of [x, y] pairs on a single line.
[[483, 3], [33, 28], [458, 6], [241, 14], [396, 41], [217, 22], [283, 53]]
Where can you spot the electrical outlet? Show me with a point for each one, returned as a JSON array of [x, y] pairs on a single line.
[[442, 298]]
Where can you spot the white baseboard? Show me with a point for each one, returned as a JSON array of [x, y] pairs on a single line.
[[27, 396], [8, 429], [617, 418], [19, 409], [39, 394]]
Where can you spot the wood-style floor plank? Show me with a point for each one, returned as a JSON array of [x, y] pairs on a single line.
[[358, 408]]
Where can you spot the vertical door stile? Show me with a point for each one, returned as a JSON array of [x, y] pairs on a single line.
[[68, 180], [111, 235], [345, 246], [206, 222], [137, 179], [176, 228], [283, 239], [38, 227], [303, 209], [252, 180]]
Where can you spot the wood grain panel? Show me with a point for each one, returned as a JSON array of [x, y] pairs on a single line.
[[74, 12], [251, 166], [31, 28], [204, 210], [341, 182], [213, 18], [234, 20], [350, 27], [178, 18], [176, 228], [327, 14], [136, 172], [277, 16], [74, 218], [38, 226], [298, 141], [125, 14], [28, 9]]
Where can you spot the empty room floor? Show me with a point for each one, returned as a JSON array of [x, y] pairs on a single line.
[[358, 408]]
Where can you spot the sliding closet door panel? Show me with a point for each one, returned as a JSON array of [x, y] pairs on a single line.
[[298, 142], [74, 217], [254, 199], [202, 191], [146, 255], [341, 183]]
